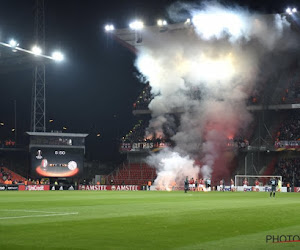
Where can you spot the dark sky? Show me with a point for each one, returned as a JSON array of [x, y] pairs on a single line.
[[93, 89]]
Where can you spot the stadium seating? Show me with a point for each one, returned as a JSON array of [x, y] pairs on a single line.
[[10, 175], [289, 169], [290, 128], [134, 174], [144, 98]]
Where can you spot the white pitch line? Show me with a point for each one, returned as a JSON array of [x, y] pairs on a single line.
[[29, 211], [31, 216]]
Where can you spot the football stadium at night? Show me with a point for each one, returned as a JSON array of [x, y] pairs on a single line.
[[139, 125]]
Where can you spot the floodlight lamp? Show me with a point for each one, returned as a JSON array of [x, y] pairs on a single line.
[[57, 56], [162, 22], [13, 43], [36, 50], [294, 10], [109, 27], [136, 25], [288, 11]]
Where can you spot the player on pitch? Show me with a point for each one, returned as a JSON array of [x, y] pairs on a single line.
[[257, 185], [232, 188], [186, 185], [273, 183]]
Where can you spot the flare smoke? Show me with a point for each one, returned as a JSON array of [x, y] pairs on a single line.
[[204, 74]]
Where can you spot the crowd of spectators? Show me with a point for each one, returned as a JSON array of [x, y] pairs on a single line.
[[290, 128], [238, 142], [144, 99], [5, 176], [295, 89], [8, 179], [289, 169], [292, 93], [137, 134]]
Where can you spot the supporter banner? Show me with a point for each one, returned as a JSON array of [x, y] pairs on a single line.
[[287, 145], [110, 187], [38, 187], [140, 146], [125, 147]]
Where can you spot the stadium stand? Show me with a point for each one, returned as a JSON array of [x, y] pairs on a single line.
[[133, 174], [6, 174], [144, 98], [290, 128], [137, 133], [289, 169]]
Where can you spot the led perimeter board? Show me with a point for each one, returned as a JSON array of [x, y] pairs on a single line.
[[56, 154]]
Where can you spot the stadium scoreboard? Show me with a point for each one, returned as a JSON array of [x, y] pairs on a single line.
[[56, 154]]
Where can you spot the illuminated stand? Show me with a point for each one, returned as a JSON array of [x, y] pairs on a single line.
[[261, 152], [57, 155]]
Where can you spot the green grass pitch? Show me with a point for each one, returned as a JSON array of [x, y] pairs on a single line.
[[146, 220]]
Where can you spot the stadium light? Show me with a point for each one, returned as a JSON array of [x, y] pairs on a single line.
[[13, 43], [162, 22], [291, 11], [57, 56], [136, 25], [36, 50], [2, 123], [109, 28]]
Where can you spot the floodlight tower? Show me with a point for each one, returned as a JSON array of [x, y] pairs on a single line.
[[38, 111]]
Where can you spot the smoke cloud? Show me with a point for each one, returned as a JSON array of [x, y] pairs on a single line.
[[203, 75]]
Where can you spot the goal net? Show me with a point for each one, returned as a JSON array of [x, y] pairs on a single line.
[[252, 179]]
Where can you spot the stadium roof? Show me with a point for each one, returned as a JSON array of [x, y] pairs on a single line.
[[134, 39], [56, 134], [131, 40]]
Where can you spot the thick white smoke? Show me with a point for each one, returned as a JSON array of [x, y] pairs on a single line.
[[172, 168], [204, 74]]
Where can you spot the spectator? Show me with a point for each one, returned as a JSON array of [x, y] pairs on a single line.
[[289, 169]]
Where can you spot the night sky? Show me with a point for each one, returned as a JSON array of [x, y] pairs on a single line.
[[93, 90]]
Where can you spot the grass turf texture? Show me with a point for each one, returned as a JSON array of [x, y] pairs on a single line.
[[146, 220]]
